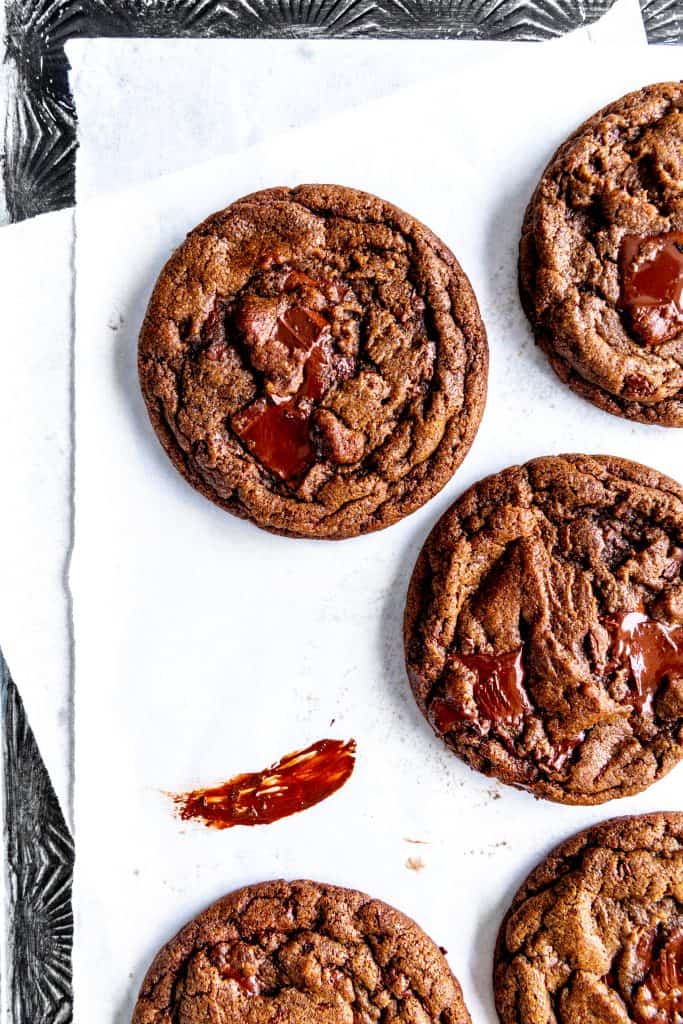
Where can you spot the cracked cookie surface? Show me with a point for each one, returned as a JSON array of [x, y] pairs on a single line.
[[595, 934], [601, 258], [298, 952], [544, 627], [313, 359]]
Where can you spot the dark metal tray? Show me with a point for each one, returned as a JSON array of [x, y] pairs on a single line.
[[40, 135]]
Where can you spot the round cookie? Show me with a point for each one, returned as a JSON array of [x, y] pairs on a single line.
[[544, 627], [313, 359], [601, 258], [296, 952], [595, 934]]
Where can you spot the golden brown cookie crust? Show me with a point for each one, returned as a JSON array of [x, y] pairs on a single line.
[[534, 566], [595, 934], [296, 952], [619, 174], [402, 345]]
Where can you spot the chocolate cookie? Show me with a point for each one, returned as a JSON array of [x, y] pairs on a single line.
[[601, 258], [595, 934], [300, 953], [313, 359], [544, 627]]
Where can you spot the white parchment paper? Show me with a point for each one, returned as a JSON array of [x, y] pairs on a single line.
[[35, 454], [207, 647], [153, 106]]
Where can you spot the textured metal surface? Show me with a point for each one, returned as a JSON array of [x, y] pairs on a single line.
[[485, 19], [40, 135], [663, 21], [39, 858]]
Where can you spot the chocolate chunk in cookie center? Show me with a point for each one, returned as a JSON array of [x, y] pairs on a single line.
[[291, 345]]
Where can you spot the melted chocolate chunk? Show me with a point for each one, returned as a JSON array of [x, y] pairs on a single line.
[[500, 699], [278, 436], [651, 270], [445, 714], [296, 782], [498, 692], [651, 650], [277, 429], [220, 957], [660, 999], [563, 750], [301, 328]]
